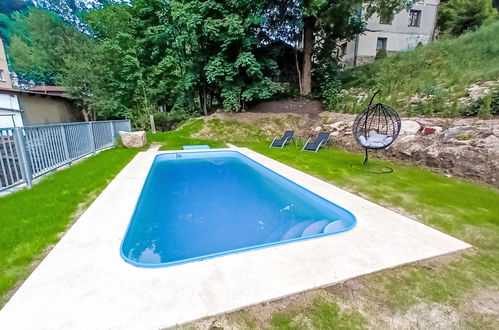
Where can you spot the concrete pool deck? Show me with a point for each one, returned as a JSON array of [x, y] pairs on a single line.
[[83, 283]]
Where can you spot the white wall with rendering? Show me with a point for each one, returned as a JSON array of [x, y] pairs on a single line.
[[405, 31]]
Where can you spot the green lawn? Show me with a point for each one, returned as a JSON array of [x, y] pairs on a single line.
[[174, 140], [32, 220], [466, 210]]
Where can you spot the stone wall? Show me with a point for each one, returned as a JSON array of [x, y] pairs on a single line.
[[466, 147]]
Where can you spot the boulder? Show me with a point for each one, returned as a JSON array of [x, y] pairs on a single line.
[[409, 127], [133, 139]]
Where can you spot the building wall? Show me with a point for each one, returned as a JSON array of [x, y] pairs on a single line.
[[400, 36], [10, 110], [43, 109], [4, 68]]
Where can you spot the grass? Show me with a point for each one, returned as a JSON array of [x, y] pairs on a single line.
[[174, 140], [321, 314], [32, 220], [462, 209], [442, 69], [466, 210]]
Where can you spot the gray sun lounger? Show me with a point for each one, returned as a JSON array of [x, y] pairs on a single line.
[[279, 143], [314, 145]]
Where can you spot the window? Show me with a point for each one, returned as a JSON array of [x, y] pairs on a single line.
[[1, 76], [383, 19], [414, 17], [343, 50], [381, 44]]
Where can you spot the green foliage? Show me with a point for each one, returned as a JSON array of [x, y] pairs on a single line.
[[322, 314], [33, 219], [220, 51], [174, 140], [483, 107], [331, 94], [459, 16], [381, 54], [494, 102], [169, 121], [439, 72], [39, 43]]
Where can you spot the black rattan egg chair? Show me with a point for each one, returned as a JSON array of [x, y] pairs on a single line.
[[376, 127]]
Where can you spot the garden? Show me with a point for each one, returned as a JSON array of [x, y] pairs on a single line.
[[459, 288]]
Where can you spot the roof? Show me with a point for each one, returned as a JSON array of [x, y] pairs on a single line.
[[48, 89], [4, 90]]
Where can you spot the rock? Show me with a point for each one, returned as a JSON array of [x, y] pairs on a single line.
[[409, 127], [462, 131], [318, 129], [338, 126], [406, 138], [476, 91], [133, 139], [432, 130]]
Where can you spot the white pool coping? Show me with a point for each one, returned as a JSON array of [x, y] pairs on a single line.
[[83, 283]]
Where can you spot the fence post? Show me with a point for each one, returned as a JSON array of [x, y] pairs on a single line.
[[91, 136], [23, 156], [111, 125], [65, 144]]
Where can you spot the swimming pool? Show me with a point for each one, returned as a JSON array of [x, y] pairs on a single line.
[[198, 205]]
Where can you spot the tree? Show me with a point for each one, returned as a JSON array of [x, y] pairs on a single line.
[[322, 23], [40, 41], [458, 16], [219, 50]]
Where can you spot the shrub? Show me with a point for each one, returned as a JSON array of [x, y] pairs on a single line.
[[485, 107], [331, 94], [494, 101], [168, 121], [380, 54]]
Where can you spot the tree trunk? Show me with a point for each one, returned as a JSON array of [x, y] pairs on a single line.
[[204, 99], [298, 71], [308, 48], [87, 114]]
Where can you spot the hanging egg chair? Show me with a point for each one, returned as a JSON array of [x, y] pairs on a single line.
[[376, 127]]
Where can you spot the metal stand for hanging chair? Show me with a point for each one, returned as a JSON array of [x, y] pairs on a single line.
[[375, 127]]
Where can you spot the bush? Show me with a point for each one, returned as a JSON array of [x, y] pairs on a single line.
[[331, 94], [169, 121], [483, 107], [494, 102], [380, 54]]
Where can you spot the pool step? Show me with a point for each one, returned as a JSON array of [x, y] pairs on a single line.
[[315, 228], [335, 226], [312, 227], [297, 230]]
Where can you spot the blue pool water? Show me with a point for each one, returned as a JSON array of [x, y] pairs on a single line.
[[204, 204]]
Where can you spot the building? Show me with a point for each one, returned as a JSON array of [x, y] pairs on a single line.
[[404, 31], [4, 69], [39, 105]]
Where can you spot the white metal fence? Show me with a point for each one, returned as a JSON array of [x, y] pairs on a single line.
[[32, 151]]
